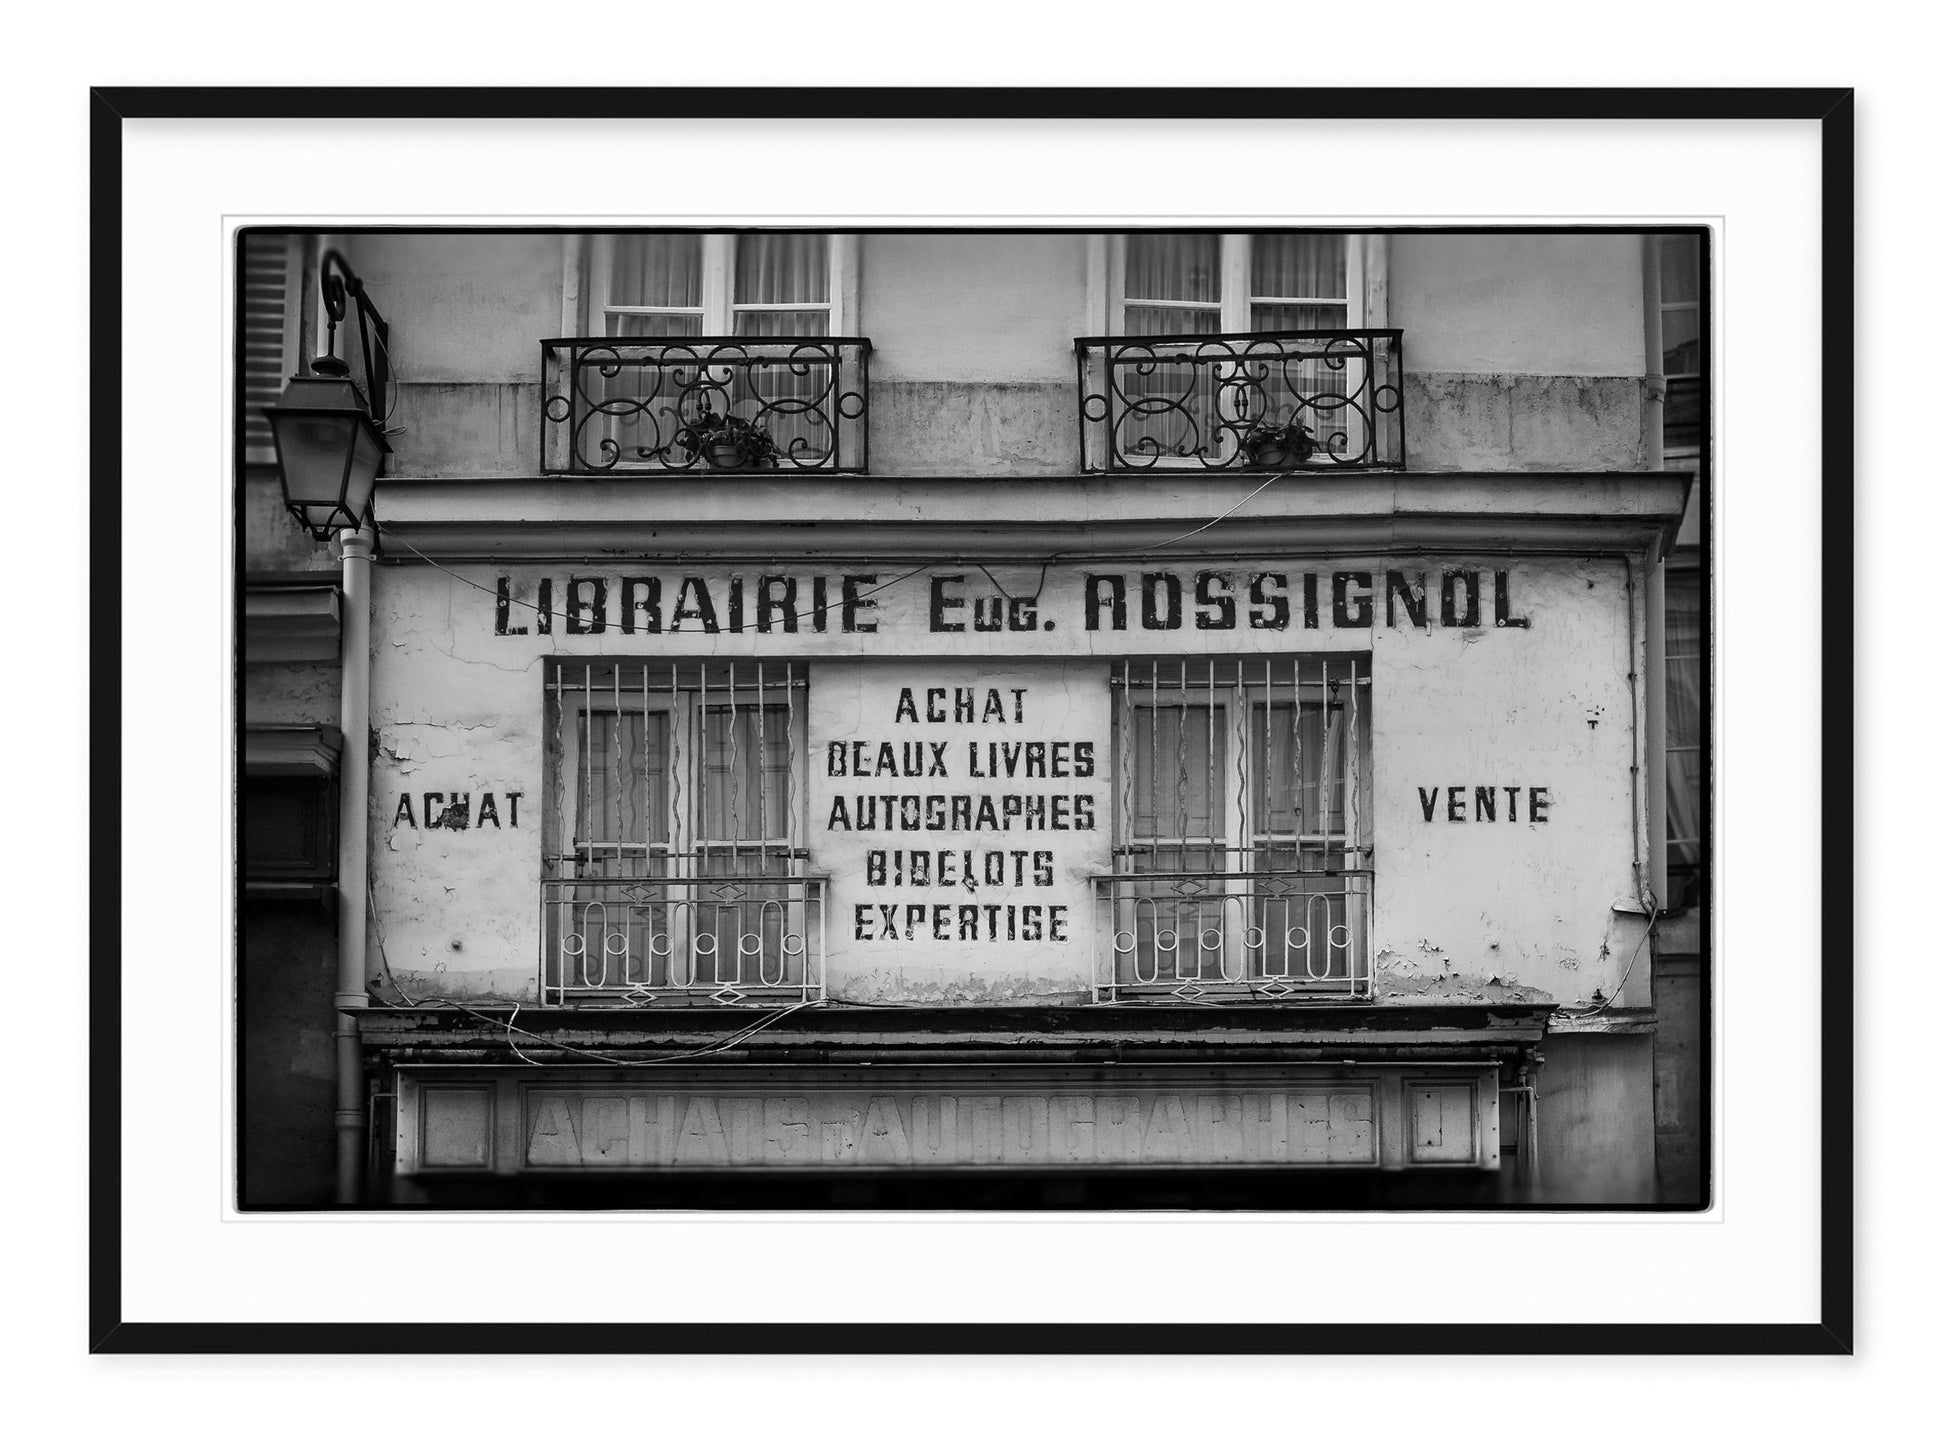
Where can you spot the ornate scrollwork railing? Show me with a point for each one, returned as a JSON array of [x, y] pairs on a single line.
[[615, 406], [1269, 934], [682, 940], [1220, 402]]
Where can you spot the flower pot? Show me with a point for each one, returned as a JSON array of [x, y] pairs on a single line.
[[1276, 457], [724, 456]]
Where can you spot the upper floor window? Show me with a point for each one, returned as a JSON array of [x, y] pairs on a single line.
[[747, 285], [1263, 350], [1233, 283], [694, 351], [1682, 347]]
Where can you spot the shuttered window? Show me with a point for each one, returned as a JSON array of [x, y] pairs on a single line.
[[268, 318]]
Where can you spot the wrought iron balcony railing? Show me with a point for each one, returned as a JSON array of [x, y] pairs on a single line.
[[1269, 934], [616, 406], [682, 940], [1236, 401]]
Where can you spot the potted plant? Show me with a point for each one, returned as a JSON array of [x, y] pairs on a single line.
[[1279, 447], [729, 442]]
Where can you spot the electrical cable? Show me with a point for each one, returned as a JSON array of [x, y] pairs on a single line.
[[514, 1009], [378, 929], [1596, 1010], [792, 616]]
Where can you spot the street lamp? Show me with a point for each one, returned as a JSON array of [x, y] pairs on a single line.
[[330, 442], [330, 450]]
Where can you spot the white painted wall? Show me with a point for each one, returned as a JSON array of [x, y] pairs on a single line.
[[995, 308], [463, 308], [1501, 303], [1006, 308], [1527, 349], [1545, 707]]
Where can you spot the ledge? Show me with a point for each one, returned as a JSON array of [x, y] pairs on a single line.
[[824, 1033], [1614, 1021], [290, 621], [282, 750], [757, 518]]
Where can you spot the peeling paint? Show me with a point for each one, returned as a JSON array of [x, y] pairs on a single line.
[[894, 988], [1393, 986]]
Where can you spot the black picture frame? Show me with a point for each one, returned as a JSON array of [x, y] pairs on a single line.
[[1833, 1332]]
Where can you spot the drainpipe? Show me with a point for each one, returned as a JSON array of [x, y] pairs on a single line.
[[1655, 689], [355, 550]]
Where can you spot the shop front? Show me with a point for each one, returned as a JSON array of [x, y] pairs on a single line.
[[700, 877]]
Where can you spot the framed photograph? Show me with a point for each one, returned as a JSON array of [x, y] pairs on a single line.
[[903, 701]]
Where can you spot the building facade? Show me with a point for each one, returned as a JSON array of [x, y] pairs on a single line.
[[967, 720]]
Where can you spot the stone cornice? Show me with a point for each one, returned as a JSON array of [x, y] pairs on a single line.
[[767, 518], [290, 620]]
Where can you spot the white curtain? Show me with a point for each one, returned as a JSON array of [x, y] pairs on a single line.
[[1178, 280], [655, 271], [648, 272], [777, 269], [1172, 283], [772, 271], [1308, 266]]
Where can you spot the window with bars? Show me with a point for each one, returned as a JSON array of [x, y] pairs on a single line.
[[673, 838], [1241, 860]]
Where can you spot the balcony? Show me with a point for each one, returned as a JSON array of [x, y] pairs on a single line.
[[1236, 401], [620, 406], [682, 940], [1275, 935]]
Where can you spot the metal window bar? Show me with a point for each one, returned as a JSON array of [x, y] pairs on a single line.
[[644, 898], [1263, 892]]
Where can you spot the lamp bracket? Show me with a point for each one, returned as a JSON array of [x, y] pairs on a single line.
[[337, 283]]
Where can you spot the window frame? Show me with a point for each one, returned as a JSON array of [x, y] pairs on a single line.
[[1686, 872], [1364, 302], [298, 762], [589, 260], [676, 872], [1242, 843], [1367, 257], [1679, 457]]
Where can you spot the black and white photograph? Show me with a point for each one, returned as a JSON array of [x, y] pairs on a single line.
[[1206, 717], [852, 722]]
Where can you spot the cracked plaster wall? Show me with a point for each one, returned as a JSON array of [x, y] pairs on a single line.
[[1528, 903]]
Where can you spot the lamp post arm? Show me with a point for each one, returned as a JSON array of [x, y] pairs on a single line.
[[337, 283]]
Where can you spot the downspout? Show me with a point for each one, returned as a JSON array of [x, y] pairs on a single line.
[[355, 550], [1655, 685]]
